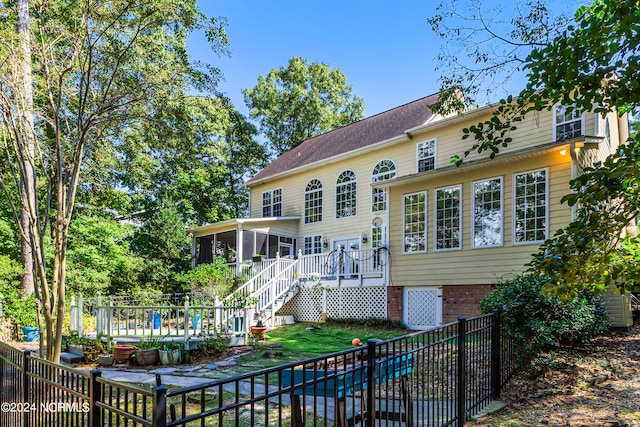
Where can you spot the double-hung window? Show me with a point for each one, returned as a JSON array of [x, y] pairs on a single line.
[[448, 218], [313, 202], [530, 206], [272, 203], [487, 213], [568, 123], [346, 194], [414, 214], [426, 155]]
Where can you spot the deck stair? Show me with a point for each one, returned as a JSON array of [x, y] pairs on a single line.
[[270, 288]]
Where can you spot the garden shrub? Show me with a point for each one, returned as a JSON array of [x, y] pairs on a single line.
[[20, 310], [210, 280], [539, 321]]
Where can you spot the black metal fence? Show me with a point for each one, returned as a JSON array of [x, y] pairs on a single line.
[[438, 377]]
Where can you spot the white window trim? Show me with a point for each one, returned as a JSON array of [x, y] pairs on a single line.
[[435, 154], [312, 236], [384, 189], [426, 222], [473, 210], [435, 219], [271, 198], [304, 202], [355, 182], [513, 208], [553, 127]]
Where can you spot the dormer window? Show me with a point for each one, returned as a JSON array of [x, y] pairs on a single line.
[[426, 155], [568, 123]]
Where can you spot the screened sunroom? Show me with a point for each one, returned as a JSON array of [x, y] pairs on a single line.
[[242, 239]]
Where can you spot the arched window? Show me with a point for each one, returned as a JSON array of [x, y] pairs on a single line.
[[384, 170], [313, 202], [346, 194]]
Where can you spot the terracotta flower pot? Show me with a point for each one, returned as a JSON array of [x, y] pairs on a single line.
[[259, 331], [122, 353]]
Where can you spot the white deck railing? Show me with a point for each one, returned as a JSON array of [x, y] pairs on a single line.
[[273, 279]]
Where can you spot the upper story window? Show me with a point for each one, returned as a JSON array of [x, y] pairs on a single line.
[[487, 213], [448, 218], [568, 123], [530, 201], [272, 203], [384, 170], [426, 155], [313, 202], [414, 229], [346, 194]]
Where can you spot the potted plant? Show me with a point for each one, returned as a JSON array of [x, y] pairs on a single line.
[[256, 258], [146, 352], [259, 329], [170, 352], [27, 319], [89, 348]]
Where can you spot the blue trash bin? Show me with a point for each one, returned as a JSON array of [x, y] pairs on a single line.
[[196, 321], [156, 321], [30, 334]]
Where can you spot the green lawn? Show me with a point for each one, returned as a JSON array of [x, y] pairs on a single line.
[[298, 344], [328, 337]]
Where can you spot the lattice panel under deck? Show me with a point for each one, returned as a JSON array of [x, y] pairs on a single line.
[[348, 302], [357, 303]]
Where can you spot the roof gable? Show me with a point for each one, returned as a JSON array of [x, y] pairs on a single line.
[[368, 131]]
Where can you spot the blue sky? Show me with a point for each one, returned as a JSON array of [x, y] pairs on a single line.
[[385, 49]]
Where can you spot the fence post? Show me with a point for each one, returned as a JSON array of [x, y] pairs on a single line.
[[99, 314], [26, 392], [462, 372], [370, 414], [496, 365], [79, 314], [73, 308], [95, 395], [159, 406], [186, 321]]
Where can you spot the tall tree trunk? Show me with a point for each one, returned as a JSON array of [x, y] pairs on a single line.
[[28, 206]]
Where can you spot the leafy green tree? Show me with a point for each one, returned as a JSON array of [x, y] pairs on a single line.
[[196, 154], [98, 255], [164, 241], [98, 68], [592, 65], [300, 101]]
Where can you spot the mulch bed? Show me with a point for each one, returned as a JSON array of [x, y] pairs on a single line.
[[597, 384]]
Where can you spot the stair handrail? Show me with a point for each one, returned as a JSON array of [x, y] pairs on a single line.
[[275, 288], [258, 280]]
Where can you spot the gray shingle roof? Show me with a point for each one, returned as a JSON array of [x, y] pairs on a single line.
[[374, 129]]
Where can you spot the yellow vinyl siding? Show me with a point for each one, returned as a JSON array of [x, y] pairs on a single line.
[[474, 265], [468, 265]]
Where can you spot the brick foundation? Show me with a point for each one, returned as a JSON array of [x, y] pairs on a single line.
[[394, 303], [462, 300]]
